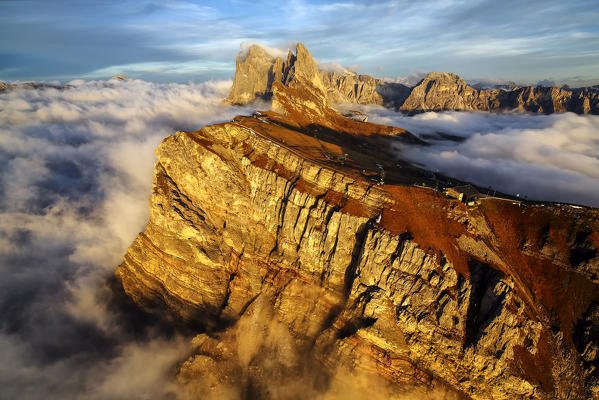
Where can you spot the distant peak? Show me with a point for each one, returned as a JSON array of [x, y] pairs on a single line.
[[259, 50], [119, 77], [442, 76]]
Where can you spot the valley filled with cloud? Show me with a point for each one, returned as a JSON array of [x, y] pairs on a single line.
[[541, 157], [74, 187]]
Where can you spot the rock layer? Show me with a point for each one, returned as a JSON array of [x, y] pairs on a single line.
[[291, 266], [308, 277]]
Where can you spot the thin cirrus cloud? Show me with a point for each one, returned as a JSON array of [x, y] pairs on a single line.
[[513, 40], [76, 176]]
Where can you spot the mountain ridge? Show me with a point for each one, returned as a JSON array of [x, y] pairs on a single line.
[[437, 91], [312, 264]]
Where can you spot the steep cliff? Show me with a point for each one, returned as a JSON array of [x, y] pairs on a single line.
[[444, 91], [257, 72], [308, 277]]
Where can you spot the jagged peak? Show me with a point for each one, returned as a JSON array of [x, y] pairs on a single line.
[[442, 77], [258, 50]]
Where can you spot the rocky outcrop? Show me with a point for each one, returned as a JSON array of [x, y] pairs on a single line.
[[304, 278], [311, 266], [30, 85], [363, 89], [257, 72], [444, 91]]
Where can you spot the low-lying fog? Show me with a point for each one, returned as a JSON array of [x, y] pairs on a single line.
[[543, 157], [75, 180]]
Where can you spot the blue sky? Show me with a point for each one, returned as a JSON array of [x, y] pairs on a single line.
[[523, 41]]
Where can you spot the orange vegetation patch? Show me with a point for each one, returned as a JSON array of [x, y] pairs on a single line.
[[294, 99], [564, 292], [536, 368]]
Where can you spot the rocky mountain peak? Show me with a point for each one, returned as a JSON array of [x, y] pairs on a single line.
[[257, 72], [306, 254], [255, 52]]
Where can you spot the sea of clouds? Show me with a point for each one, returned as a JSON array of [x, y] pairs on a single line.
[[542, 157], [74, 185]]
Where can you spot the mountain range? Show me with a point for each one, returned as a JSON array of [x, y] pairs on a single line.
[[257, 71], [311, 263]]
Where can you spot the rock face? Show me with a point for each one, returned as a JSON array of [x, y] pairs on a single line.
[[363, 89], [306, 279], [257, 71], [443, 91]]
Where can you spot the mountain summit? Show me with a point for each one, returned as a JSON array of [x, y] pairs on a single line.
[[312, 263], [257, 71]]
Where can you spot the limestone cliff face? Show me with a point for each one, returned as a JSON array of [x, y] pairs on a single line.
[[444, 91], [257, 72], [254, 74], [307, 274], [363, 89], [307, 277]]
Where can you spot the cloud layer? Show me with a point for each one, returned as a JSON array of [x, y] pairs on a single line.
[[76, 176], [543, 157], [77, 172]]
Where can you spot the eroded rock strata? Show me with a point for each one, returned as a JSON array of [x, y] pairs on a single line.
[[312, 266], [257, 71], [305, 274]]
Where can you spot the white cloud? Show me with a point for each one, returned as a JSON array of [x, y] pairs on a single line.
[[545, 157], [333, 67], [272, 51], [76, 176]]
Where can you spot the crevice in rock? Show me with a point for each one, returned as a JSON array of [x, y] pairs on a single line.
[[289, 186], [581, 250], [485, 303], [310, 209], [228, 293], [352, 326], [356, 256], [401, 241]]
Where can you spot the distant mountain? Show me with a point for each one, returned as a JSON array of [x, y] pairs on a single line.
[[257, 71], [30, 85], [306, 256]]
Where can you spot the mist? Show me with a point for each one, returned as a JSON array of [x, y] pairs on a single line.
[[74, 186], [540, 157]]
